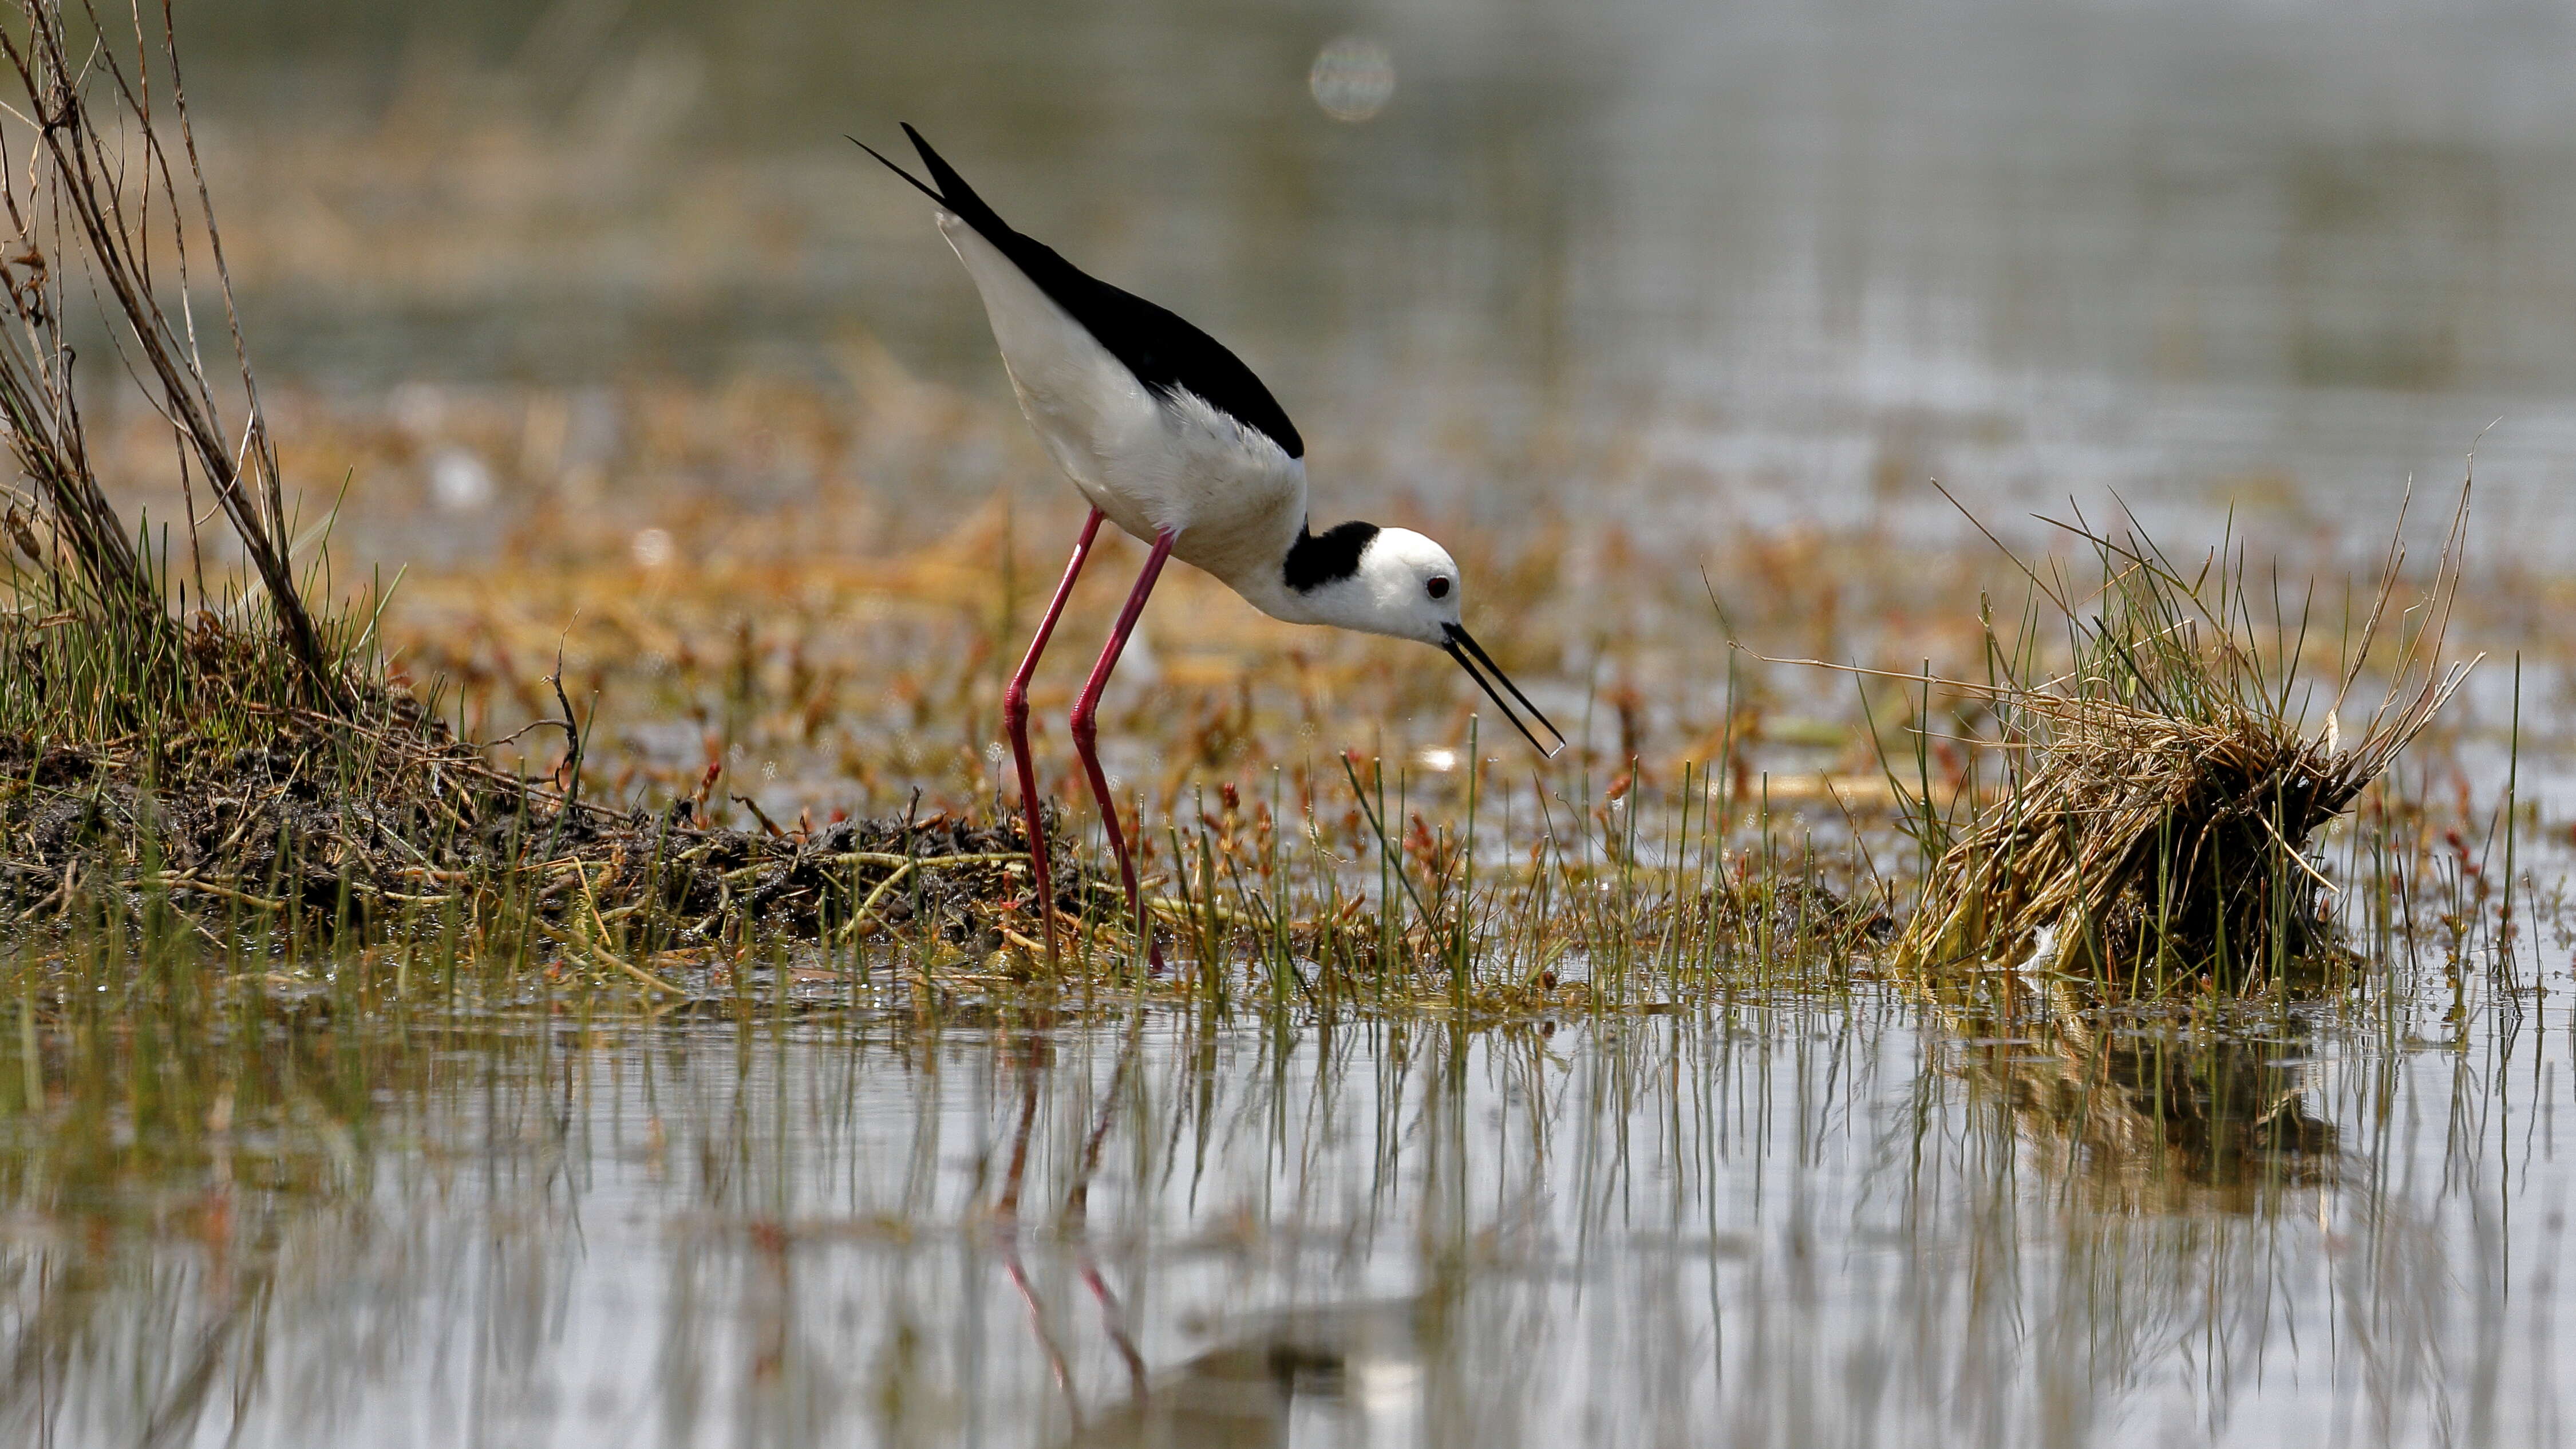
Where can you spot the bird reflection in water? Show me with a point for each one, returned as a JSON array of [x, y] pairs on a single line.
[[1357, 1367], [1358, 1363]]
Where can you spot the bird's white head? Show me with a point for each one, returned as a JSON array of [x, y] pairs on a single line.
[[1403, 584]]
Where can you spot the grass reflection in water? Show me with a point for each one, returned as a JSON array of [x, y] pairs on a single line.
[[233, 1207]]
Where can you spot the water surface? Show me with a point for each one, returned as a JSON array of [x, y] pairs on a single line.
[[1863, 1220]]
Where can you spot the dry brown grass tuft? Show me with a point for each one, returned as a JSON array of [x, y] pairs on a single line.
[[2161, 793]]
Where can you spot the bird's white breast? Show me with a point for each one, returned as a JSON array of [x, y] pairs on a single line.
[[1148, 461]]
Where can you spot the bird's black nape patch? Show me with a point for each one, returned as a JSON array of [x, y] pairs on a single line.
[[1317, 559]]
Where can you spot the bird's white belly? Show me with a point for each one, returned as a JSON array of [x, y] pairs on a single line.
[[1149, 462]]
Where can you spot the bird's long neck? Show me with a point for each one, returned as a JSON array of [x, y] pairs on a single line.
[[1315, 580], [1318, 560], [1297, 583]]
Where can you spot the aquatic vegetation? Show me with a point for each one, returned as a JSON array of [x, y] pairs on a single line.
[[2165, 775]]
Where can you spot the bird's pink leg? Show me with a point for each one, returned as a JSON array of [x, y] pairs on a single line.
[[1015, 717], [1086, 733]]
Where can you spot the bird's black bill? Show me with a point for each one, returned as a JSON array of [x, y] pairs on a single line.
[[1463, 644]]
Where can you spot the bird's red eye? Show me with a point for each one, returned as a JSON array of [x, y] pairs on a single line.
[[1438, 586]]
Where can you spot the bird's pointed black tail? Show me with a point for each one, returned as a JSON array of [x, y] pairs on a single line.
[[953, 190], [916, 182], [1167, 354], [945, 187]]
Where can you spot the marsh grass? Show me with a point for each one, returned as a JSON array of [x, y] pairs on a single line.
[[102, 189], [2163, 783], [381, 844], [218, 766], [331, 847]]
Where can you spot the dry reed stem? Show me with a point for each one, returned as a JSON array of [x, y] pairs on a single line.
[[92, 202]]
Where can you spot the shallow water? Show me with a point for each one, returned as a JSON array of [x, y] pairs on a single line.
[[1856, 1220]]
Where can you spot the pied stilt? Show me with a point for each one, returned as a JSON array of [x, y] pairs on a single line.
[[1172, 438]]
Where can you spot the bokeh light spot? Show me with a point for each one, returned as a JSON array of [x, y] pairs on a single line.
[[1353, 78]]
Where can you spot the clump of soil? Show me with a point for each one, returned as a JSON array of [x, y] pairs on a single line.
[[364, 823]]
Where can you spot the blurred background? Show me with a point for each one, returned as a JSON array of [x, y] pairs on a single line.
[[604, 333], [1756, 263]]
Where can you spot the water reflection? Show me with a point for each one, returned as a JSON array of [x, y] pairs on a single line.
[[1356, 1369], [1831, 1220], [2145, 1117]]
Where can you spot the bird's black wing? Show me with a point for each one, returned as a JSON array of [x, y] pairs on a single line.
[[1166, 353]]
